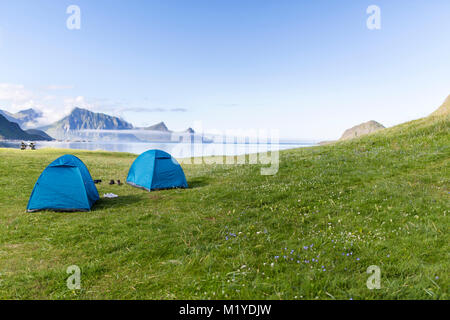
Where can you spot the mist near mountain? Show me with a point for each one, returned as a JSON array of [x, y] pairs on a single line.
[[11, 131], [161, 127], [25, 118], [85, 125]]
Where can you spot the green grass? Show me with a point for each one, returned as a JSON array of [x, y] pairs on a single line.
[[384, 198]]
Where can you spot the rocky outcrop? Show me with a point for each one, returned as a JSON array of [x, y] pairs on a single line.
[[361, 129]]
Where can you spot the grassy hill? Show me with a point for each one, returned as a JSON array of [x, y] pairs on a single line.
[[444, 109], [311, 231]]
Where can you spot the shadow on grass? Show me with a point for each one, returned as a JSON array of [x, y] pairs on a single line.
[[198, 182], [114, 203]]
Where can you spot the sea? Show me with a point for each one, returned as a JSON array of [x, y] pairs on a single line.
[[176, 149]]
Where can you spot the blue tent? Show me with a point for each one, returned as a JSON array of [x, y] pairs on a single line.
[[156, 169], [65, 185]]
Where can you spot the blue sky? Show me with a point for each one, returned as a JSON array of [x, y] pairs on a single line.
[[307, 68]]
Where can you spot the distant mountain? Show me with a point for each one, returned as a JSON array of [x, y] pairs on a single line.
[[161, 127], [8, 115], [160, 133], [11, 131], [41, 133], [28, 115], [361, 129], [444, 109], [82, 119], [25, 118], [158, 127]]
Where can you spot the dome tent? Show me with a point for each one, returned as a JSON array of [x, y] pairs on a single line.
[[65, 185], [156, 169]]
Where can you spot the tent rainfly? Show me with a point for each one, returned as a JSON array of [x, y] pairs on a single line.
[[154, 170], [65, 185]]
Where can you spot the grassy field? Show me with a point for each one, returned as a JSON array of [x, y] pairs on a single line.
[[309, 232]]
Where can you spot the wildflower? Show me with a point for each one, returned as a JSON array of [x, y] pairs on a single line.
[[357, 259]]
